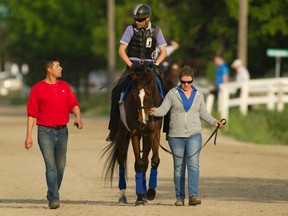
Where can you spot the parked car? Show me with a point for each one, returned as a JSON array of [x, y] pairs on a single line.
[[10, 83]]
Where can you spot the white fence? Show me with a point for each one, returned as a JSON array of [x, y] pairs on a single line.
[[272, 92]]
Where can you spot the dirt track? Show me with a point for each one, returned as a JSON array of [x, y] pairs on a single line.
[[236, 178]]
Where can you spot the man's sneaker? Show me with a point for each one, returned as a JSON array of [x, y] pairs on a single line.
[[179, 202], [110, 137], [54, 204], [194, 201]]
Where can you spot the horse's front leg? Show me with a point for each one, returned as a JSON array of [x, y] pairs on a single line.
[[140, 177], [145, 162]]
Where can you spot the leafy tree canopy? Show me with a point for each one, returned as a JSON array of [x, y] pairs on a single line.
[[76, 31]]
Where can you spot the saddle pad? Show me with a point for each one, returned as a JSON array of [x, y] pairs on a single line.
[[123, 113]]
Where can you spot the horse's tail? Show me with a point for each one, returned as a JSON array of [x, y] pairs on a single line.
[[111, 162], [111, 152]]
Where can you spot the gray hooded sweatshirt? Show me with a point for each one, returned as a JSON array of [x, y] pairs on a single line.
[[182, 123]]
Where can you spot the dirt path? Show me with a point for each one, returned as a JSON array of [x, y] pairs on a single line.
[[236, 178]]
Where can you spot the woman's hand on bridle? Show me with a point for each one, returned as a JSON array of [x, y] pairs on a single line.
[[152, 111]]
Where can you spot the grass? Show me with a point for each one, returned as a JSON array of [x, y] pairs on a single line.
[[13, 98], [260, 126], [96, 104]]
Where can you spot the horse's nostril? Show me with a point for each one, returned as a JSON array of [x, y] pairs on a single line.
[[142, 125]]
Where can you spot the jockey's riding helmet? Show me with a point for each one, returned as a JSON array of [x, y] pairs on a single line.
[[141, 11]]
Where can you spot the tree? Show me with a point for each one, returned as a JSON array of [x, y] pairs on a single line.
[[76, 31], [70, 30]]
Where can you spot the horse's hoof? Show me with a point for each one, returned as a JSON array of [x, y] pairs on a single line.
[[151, 194], [140, 202], [145, 199], [123, 200]]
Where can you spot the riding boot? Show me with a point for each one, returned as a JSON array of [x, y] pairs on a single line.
[[114, 115], [111, 136], [114, 112]]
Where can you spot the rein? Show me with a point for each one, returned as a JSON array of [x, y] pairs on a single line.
[[215, 132], [113, 82]]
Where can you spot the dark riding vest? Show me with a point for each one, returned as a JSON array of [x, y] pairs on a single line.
[[143, 43]]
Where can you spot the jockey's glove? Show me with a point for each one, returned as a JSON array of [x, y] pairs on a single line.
[[156, 68], [136, 67]]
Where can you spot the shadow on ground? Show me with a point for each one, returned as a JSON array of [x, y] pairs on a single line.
[[236, 189]]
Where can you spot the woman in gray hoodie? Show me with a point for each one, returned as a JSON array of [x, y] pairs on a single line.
[[187, 108]]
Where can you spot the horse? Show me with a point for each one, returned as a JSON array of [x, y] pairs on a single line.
[[171, 75], [137, 126]]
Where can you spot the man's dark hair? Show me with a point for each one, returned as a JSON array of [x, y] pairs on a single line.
[[48, 63]]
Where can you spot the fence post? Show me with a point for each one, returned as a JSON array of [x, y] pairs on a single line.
[[223, 101], [271, 98], [209, 102], [280, 96], [244, 98]]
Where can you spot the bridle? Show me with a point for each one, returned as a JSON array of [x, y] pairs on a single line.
[[140, 79]]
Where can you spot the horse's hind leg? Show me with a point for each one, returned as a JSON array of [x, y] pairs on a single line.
[[122, 157], [122, 186]]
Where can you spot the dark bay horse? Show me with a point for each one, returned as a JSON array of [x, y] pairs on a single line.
[[171, 76], [137, 126]]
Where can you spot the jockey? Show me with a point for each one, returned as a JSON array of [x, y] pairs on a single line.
[[137, 46]]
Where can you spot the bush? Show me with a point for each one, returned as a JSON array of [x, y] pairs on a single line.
[[97, 104], [259, 126]]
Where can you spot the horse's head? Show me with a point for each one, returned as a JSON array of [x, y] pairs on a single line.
[[145, 94], [171, 78]]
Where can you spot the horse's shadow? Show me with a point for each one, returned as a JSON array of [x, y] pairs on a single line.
[[234, 189], [221, 188], [43, 203]]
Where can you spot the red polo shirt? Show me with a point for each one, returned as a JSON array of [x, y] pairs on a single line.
[[51, 104]]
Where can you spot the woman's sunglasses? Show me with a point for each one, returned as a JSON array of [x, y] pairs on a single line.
[[184, 82]]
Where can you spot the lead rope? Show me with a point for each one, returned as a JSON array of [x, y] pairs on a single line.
[[215, 132]]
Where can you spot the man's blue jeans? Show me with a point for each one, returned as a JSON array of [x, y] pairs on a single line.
[[185, 147], [53, 146]]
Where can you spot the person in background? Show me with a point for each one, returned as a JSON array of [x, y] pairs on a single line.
[[50, 103], [171, 48], [187, 108], [221, 75], [137, 47], [242, 74]]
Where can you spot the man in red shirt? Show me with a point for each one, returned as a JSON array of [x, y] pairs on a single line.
[[50, 102]]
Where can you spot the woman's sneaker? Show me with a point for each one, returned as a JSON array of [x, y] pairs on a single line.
[[54, 204], [179, 202], [194, 201]]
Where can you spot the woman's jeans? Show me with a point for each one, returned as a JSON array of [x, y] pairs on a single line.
[[185, 148], [53, 146]]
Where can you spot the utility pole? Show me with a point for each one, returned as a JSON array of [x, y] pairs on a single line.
[[111, 43], [242, 31]]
